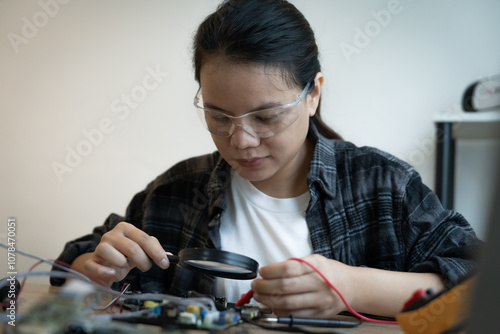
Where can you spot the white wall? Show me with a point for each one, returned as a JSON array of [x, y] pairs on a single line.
[[67, 66]]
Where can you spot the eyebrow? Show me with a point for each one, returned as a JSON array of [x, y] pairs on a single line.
[[264, 106]]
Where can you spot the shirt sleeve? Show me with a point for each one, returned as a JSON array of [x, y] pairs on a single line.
[[89, 242], [437, 240]]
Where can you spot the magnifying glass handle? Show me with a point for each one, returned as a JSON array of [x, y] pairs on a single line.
[[173, 258]]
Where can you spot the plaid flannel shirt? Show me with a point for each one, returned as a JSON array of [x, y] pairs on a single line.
[[367, 208]]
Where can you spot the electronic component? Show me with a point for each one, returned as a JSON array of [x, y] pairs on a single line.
[[73, 309], [192, 317], [52, 313]]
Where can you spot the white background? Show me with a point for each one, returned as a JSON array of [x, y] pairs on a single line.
[[63, 65]]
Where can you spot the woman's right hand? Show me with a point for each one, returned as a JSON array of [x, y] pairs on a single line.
[[120, 250]]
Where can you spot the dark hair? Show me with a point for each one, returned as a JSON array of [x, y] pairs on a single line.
[[270, 32]]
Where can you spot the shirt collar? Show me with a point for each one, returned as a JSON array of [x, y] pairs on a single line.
[[323, 168], [219, 180], [321, 177]]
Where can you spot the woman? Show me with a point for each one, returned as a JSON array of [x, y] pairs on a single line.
[[282, 184]]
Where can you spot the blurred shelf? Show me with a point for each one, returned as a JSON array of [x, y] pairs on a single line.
[[454, 124]]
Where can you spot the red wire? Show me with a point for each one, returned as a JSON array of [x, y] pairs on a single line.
[[342, 297]]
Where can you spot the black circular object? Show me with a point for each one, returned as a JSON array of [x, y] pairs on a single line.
[[217, 263]]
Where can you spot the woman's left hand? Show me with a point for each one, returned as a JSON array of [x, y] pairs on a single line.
[[294, 288]]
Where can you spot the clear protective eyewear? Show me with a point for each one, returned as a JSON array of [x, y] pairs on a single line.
[[262, 123]]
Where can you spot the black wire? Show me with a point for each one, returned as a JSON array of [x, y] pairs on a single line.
[[285, 328], [371, 316]]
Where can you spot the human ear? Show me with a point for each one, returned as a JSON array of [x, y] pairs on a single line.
[[314, 96]]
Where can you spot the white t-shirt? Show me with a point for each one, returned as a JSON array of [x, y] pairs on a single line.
[[264, 228]]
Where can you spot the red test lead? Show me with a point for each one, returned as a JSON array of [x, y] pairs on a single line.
[[245, 298]]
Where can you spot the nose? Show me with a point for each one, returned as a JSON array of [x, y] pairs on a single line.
[[242, 138]]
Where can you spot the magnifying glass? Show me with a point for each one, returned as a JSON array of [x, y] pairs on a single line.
[[216, 263]]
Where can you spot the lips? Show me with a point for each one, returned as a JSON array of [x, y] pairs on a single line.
[[250, 163]]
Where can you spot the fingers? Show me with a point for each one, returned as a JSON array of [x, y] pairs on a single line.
[[308, 305], [314, 303], [287, 277], [111, 252], [87, 264], [126, 247], [284, 269], [104, 272], [286, 285], [139, 248], [292, 287], [156, 252]]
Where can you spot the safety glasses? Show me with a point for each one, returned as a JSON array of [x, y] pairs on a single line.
[[260, 123]]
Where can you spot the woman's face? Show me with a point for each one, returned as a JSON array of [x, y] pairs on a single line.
[[237, 89]]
